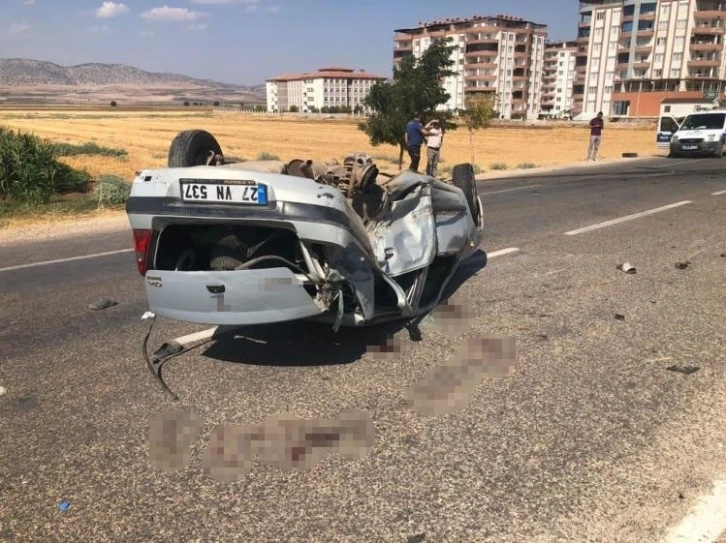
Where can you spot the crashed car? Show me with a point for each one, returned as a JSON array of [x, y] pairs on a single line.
[[221, 241]]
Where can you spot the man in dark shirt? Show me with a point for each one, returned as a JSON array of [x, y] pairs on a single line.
[[596, 126], [415, 133]]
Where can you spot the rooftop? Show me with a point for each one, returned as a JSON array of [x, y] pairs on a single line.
[[687, 101], [500, 20], [336, 72]]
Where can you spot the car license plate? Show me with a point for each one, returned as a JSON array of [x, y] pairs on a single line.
[[689, 147], [224, 192]]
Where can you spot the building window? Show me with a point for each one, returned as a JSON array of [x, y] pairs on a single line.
[[592, 90], [675, 72], [660, 42], [663, 25], [677, 56], [681, 23], [600, 15], [609, 89], [658, 58]]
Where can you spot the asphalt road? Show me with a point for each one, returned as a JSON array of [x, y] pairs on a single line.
[[589, 438]]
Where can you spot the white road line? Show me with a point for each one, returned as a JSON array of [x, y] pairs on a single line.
[[502, 252], [706, 521], [62, 260], [719, 193], [624, 219], [510, 190]]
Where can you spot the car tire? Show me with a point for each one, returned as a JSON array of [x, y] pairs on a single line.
[[190, 148], [463, 177], [719, 151]]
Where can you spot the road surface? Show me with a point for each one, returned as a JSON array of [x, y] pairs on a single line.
[[589, 438]]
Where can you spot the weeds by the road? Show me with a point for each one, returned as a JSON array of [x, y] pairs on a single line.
[[89, 148], [264, 155], [526, 166], [30, 173], [498, 166], [111, 190]]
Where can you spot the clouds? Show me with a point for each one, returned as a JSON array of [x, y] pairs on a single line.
[[15, 29], [174, 15], [108, 10]]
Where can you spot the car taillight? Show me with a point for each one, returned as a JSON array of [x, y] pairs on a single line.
[[142, 240]]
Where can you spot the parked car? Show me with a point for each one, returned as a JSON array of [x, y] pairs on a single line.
[[700, 133]]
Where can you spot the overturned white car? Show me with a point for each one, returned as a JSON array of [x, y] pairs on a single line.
[[222, 242]]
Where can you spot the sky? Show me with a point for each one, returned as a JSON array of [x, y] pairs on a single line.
[[241, 41]]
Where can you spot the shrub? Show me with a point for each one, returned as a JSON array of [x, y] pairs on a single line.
[[90, 148], [30, 173], [264, 155], [113, 103], [498, 166], [526, 166], [111, 190]]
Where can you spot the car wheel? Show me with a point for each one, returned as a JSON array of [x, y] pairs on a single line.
[[719, 151], [463, 177], [191, 147]]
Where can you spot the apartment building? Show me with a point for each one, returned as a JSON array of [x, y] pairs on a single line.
[[332, 87], [558, 76], [492, 54], [632, 54]]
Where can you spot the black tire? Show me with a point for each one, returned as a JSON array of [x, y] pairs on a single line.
[[719, 152], [463, 177], [225, 263], [190, 148]]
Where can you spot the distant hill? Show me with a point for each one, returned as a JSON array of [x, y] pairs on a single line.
[[28, 73]]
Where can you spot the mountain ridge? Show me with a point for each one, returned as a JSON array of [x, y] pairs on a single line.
[[25, 72]]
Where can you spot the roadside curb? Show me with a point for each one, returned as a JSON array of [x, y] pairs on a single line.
[[497, 175]]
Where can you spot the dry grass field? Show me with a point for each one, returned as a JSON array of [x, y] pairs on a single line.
[[147, 136]]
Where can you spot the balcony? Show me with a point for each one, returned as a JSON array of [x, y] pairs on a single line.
[[650, 16], [641, 65], [707, 30], [646, 32], [485, 65], [709, 14], [483, 30], [474, 89], [644, 48], [704, 63], [482, 40], [480, 77], [706, 46]]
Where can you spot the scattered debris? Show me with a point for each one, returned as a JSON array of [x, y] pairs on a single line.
[[682, 265], [685, 370], [416, 538], [659, 359], [627, 267], [102, 303], [681, 496], [147, 315], [723, 255], [3, 390], [64, 506], [619, 317]]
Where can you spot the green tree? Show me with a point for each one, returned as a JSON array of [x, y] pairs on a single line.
[[416, 86], [481, 108], [293, 109]]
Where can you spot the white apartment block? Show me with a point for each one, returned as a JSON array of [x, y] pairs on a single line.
[[632, 54], [558, 77], [319, 91], [502, 55]]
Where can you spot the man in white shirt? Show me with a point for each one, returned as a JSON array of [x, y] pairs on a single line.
[[434, 139]]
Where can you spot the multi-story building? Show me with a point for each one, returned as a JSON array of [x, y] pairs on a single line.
[[558, 75], [632, 54], [492, 54], [327, 88]]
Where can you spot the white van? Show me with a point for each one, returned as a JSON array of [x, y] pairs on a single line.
[[700, 133]]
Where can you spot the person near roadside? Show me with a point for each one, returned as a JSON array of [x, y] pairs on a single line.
[[415, 134], [596, 126], [434, 139]]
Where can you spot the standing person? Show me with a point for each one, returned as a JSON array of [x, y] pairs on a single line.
[[596, 126], [415, 133], [433, 146]]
